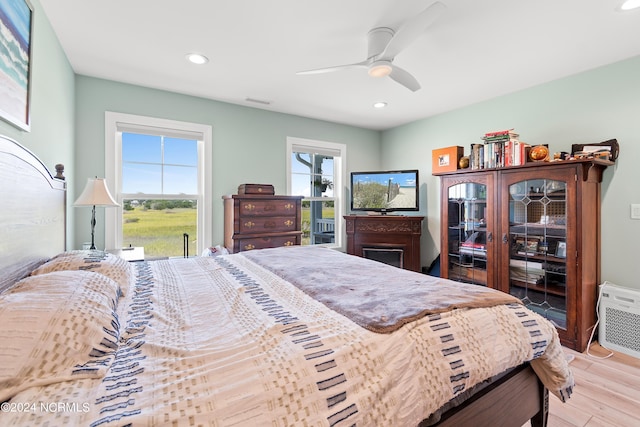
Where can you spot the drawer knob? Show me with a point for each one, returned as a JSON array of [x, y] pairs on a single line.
[[288, 223], [249, 207], [289, 206], [289, 243], [249, 246], [249, 224]]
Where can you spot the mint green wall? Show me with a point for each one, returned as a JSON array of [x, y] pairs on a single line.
[[52, 86], [589, 107], [67, 123], [249, 144]]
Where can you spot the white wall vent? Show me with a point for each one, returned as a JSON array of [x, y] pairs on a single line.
[[619, 327]]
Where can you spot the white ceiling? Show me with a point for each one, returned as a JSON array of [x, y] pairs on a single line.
[[476, 50]]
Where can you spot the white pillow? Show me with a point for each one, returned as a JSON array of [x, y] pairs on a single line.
[[57, 327], [101, 262]]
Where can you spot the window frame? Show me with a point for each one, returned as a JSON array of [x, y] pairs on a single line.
[[115, 124], [339, 153]]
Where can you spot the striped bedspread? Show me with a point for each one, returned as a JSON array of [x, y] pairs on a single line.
[[226, 342]]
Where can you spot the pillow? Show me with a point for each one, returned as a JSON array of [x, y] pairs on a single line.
[[101, 262], [56, 327]]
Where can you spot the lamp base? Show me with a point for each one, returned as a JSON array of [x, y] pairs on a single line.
[[93, 228]]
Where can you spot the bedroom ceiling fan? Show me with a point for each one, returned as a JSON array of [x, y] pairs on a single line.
[[384, 44]]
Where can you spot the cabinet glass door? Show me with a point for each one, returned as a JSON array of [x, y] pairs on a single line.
[[538, 246], [467, 232]]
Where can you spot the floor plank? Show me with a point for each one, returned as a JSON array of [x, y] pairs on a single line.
[[607, 391]]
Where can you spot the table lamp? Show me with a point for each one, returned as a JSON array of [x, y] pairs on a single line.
[[95, 193]]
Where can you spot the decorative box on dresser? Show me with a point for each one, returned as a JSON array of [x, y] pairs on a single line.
[[258, 221], [532, 231], [392, 239]]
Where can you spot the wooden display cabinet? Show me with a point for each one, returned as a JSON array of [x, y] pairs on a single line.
[[532, 231]]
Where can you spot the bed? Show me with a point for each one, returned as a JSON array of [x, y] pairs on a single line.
[[280, 337]]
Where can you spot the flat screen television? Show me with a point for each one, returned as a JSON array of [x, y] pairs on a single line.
[[385, 191]]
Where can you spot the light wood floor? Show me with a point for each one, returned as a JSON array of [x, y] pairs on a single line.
[[607, 392]]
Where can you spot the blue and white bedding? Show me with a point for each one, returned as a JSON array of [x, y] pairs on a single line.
[[223, 341]]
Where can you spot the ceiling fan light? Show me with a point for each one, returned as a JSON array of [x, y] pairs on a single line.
[[380, 69]]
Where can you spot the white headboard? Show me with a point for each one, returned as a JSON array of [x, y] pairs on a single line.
[[32, 212]]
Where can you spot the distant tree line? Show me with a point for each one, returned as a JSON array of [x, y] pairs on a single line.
[[159, 205]]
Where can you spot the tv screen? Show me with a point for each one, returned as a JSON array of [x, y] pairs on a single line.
[[385, 191]]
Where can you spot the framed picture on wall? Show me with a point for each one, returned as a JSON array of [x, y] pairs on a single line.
[[16, 27]]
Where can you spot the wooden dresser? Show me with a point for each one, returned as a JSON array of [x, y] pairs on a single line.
[[257, 221]]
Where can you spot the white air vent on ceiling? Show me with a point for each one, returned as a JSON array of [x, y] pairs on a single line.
[[619, 328]]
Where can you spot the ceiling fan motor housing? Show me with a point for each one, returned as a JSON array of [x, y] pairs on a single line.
[[378, 39]]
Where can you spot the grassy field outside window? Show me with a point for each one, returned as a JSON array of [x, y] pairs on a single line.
[[160, 231]]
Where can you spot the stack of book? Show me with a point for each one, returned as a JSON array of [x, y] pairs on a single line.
[[475, 245], [499, 149], [526, 271]]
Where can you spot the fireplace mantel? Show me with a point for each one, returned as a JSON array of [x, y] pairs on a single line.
[[392, 232]]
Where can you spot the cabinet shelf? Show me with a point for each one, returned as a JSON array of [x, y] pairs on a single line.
[[598, 163], [468, 273], [539, 257], [467, 199], [539, 230], [553, 289]]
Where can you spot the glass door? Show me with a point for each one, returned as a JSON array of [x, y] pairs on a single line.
[[538, 245], [469, 231]]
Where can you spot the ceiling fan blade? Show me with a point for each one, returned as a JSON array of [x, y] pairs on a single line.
[[404, 78], [336, 68], [411, 30]]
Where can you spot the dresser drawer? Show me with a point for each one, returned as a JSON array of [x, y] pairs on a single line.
[[241, 244], [258, 221], [253, 207], [267, 224]]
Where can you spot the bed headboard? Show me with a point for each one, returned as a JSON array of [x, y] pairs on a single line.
[[32, 212]]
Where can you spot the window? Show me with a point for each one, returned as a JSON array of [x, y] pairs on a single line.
[[315, 170], [159, 171]]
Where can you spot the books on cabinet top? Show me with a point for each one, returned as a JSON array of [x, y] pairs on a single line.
[[498, 149]]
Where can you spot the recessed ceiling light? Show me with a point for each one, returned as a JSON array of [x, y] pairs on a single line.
[[196, 58], [379, 105], [630, 5]]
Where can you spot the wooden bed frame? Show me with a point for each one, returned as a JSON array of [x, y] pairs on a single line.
[[33, 213], [511, 401], [32, 223]]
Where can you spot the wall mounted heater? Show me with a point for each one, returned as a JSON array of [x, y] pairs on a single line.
[[619, 327]]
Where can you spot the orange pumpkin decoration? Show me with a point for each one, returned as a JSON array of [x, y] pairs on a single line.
[[539, 153]]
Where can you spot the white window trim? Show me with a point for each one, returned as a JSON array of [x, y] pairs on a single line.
[[339, 152], [113, 170]]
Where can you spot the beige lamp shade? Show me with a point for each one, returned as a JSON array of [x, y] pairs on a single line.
[[95, 193]]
